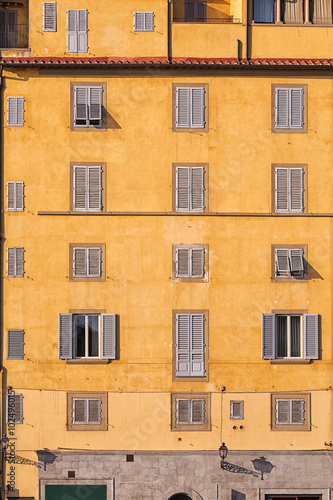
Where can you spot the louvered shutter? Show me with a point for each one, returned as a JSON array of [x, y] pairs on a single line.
[[80, 262], [183, 107], [80, 188], [282, 411], [197, 345], [282, 108], [72, 28], [19, 196], [281, 190], [197, 189], [109, 336], [65, 336], [149, 21], [81, 103], [296, 260], [49, 16], [297, 411], [183, 345], [82, 23], [15, 344], [183, 411], [11, 262], [296, 190], [95, 188], [236, 409], [94, 411], [198, 263], [94, 262], [15, 408], [182, 189], [139, 21], [198, 411], [11, 196], [20, 112], [15, 262], [296, 108], [183, 262], [15, 111], [311, 332], [197, 107], [95, 103], [268, 336], [19, 264], [282, 262], [79, 411]]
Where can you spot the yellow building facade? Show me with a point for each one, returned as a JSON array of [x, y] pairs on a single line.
[[167, 276]]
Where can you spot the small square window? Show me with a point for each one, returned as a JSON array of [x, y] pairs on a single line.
[[291, 412], [143, 21], [289, 263], [87, 411], [190, 263], [237, 410], [87, 261], [190, 412]]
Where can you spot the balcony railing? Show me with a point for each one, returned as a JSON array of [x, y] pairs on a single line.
[[208, 20], [14, 36]]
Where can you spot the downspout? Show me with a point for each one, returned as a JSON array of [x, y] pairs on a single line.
[[169, 31], [3, 377], [247, 33]]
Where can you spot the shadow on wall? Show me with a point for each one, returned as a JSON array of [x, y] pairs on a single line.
[[237, 495]]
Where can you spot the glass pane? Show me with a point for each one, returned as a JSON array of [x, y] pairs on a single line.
[[281, 335], [79, 335], [295, 336], [93, 336]]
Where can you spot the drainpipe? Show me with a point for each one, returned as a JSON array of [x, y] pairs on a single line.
[[169, 31], [247, 33]]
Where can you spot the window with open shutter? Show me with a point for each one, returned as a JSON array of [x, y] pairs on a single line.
[[289, 262], [15, 196], [190, 189], [14, 409], [15, 111], [15, 262], [15, 344], [77, 30], [87, 188], [236, 409], [190, 345], [190, 107], [88, 106], [49, 16], [289, 190], [143, 21]]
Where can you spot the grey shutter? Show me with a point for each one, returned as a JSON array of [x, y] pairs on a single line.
[[20, 111], [197, 107], [80, 188], [282, 108], [183, 189], [15, 408], [281, 190], [183, 108], [296, 190], [19, 264], [183, 411], [80, 262], [95, 188], [81, 103], [11, 111], [19, 196], [183, 263], [197, 201], [79, 411], [282, 411], [109, 336], [94, 262], [198, 411], [268, 336], [311, 332], [65, 336], [15, 344], [95, 103], [197, 263], [72, 37], [197, 345], [282, 262], [236, 409], [183, 345], [11, 262], [296, 108], [297, 411], [139, 21], [94, 411], [296, 260], [11, 196], [82, 24], [49, 16], [149, 21]]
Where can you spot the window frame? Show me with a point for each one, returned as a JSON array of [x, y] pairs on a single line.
[[291, 278], [188, 279], [54, 6], [198, 130], [17, 338], [15, 184], [20, 396], [103, 165], [304, 166], [306, 397], [205, 166], [103, 426], [190, 427], [304, 129], [102, 247], [88, 128], [144, 30], [15, 274], [232, 416]]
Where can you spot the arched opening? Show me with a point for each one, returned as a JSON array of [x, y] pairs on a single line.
[[180, 496]]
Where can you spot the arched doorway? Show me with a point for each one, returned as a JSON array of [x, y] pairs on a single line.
[[180, 496]]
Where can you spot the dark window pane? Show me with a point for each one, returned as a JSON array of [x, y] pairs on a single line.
[[79, 335], [281, 347], [264, 11], [295, 336], [93, 336]]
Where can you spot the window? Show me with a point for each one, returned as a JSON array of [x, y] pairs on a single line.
[[9, 30], [77, 30], [289, 108], [15, 196], [289, 263], [86, 262], [88, 104], [237, 410], [49, 16], [88, 193], [15, 344], [290, 188], [294, 497], [195, 11], [190, 412], [15, 262], [190, 333], [291, 412], [87, 336], [190, 263], [143, 21], [189, 182], [293, 12], [15, 111], [190, 107], [282, 336], [87, 411], [14, 409]]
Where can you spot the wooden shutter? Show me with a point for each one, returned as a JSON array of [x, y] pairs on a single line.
[[79, 411], [282, 262], [296, 190], [65, 336], [297, 411], [11, 262], [197, 200], [311, 332], [183, 189], [82, 24], [149, 21], [198, 411], [282, 108], [20, 111], [183, 262], [15, 344], [281, 190], [183, 108], [183, 411], [80, 188], [109, 336], [15, 262], [80, 262], [296, 108], [236, 409], [81, 103], [15, 111], [282, 410], [268, 336], [94, 262], [15, 196], [183, 345], [95, 188], [198, 263], [95, 103], [49, 16], [15, 408], [197, 107], [139, 21], [72, 28], [197, 345], [94, 411], [296, 261]]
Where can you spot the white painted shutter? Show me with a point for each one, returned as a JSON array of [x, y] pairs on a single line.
[[282, 411], [197, 107], [149, 21], [15, 111], [15, 408], [183, 410], [11, 196], [198, 263], [49, 16], [95, 188], [139, 21], [65, 336], [94, 411], [183, 107], [72, 28], [268, 336], [19, 271], [311, 332], [20, 112], [79, 262], [95, 103], [198, 411], [183, 262], [197, 201], [19, 196], [281, 190], [183, 189], [282, 108], [15, 262], [82, 24], [80, 188], [297, 411], [296, 260], [236, 409], [282, 262], [296, 190], [11, 262], [79, 411], [296, 108], [197, 345], [183, 345], [94, 262], [109, 336], [81, 103], [15, 344]]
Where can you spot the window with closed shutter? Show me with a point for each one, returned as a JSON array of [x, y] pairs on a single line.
[[15, 344], [87, 262], [195, 11], [190, 262], [236, 409], [289, 108], [190, 189], [15, 262], [14, 409], [77, 30], [290, 411], [87, 188], [15, 111], [49, 16], [143, 21], [15, 196], [87, 411], [190, 107], [88, 106], [289, 190], [190, 411], [190, 345]]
